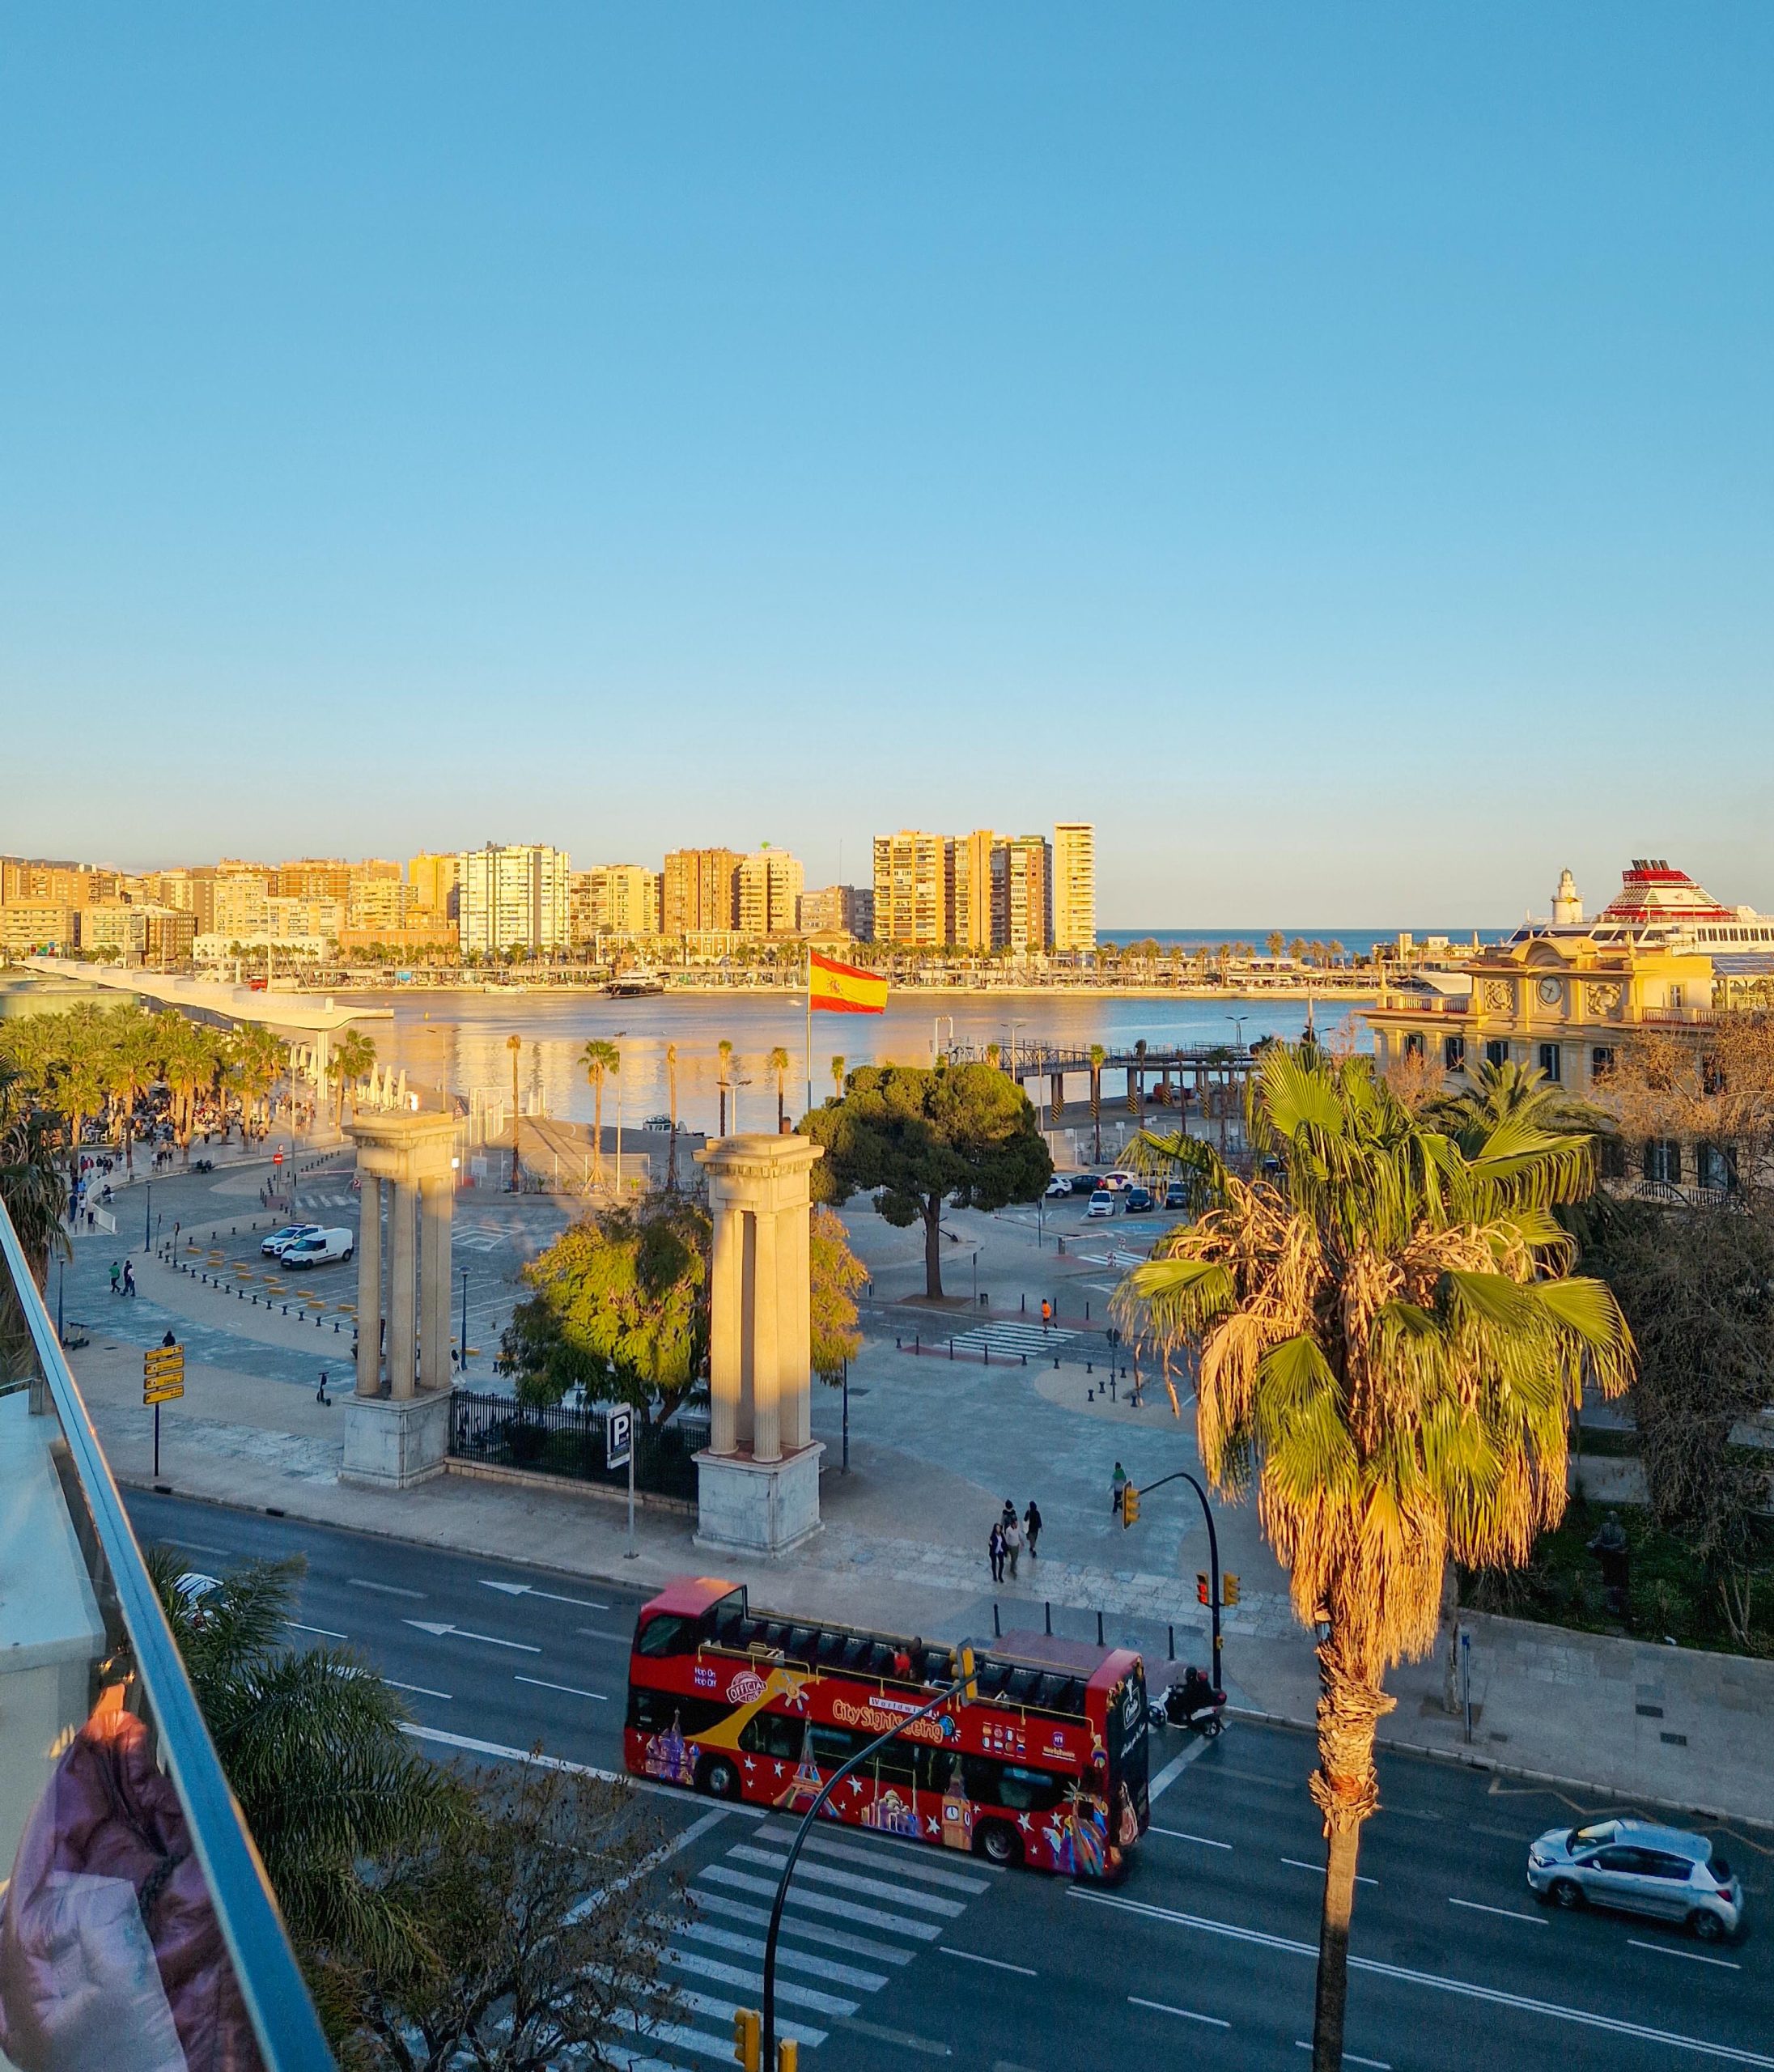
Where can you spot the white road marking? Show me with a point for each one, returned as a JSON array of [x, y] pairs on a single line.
[[873, 1888], [423, 1689], [325, 1632], [1183, 1835], [572, 1690], [896, 1924], [385, 1590], [930, 1875], [799, 1960], [596, 1633], [439, 1631], [1693, 1956], [1436, 1982], [879, 1846], [791, 1995], [723, 2011], [1188, 2014], [198, 1547], [1508, 1913], [1349, 2057], [1318, 1870], [809, 1931], [1174, 1769], [997, 1963], [529, 1590]]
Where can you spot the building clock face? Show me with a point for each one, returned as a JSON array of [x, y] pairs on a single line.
[[1550, 992]]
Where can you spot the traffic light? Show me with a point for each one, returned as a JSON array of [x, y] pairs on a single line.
[[1229, 1588], [1202, 1596], [970, 1687], [1130, 1506], [748, 2039], [789, 2055]]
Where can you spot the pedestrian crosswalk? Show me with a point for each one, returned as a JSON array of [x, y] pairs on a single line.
[[1013, 1338], [1119, 1259], [858, 1911]]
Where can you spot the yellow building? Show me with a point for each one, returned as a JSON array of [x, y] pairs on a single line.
[[972, 855], [431, 881], [700, 892], [768, 890], [1564, 1005], [1074, 886], [914, 889]]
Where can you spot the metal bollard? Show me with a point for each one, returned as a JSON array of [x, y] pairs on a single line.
[[1087, 1313], [1099, 1629], [985, 1356], [997, 1631], [1025, 1359], [1170, 1643], [951, 1348], [1088, 1368], [1090, 1396], [1047, 1609], [899, 1343], [1056, 1363]]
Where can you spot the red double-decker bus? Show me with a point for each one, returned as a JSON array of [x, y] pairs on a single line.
[[1046, 1767]]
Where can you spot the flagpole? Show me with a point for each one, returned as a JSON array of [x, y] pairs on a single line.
[[807, 1056]]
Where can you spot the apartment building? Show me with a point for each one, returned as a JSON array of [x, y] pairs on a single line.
[[699, 892], [768, 892], [1074, 887], [975, 923], [1021, 897], [839, 909], [314, 877], [914, 889], [28, 880], [614, 899], [239, 898], [512, 896], [160, 937], [187, 891], [431, 882], [35, 927]]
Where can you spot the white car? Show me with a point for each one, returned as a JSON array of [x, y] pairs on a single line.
[[279, 1241], [1102, 1203], [318, 1248], [1118, 1182], [1057, 1187]]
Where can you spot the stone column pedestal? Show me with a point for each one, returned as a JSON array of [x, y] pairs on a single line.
[[757, 1483], [391, 1442]]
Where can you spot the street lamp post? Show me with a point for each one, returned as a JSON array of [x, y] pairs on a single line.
[[514, 1044], [462, 1363], [147, 1220], [1182, 1474]]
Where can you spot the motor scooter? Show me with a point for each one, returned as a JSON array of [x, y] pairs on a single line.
[[1194, 1703]]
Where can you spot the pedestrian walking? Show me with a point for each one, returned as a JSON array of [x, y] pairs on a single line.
[[116, 1278], [1007, 1518], [129, 1277], [1012, 1543], [1031, 1520], [994, 1552], [1118, 1488], [93, 1221], [1047, 1312]]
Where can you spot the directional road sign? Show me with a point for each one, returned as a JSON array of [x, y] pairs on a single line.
[[163, 1373]]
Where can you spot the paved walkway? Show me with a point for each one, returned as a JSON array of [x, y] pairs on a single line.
[[936, 1445]]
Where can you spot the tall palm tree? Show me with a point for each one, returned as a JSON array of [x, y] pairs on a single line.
[[777, 1062], [837, 1078], [131, 1068], [1097, 1054], [671, 1102], [353, 1054], [599, 1057], [256, 1058], [32, 1185], [1275, 942], [1500, 1092], [1389, 1344], [724, 1074]]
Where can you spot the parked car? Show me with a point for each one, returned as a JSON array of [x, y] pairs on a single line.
[[1639, 1868], [1102, 1203], [318, 1248], [1118, 1182], [1084, 1183], [193, 1587], [1139, 1199], [279, 1241], [1058, 1185], [1176, 1195]]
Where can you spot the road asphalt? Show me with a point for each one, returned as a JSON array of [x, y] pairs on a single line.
[[1205, 1952]]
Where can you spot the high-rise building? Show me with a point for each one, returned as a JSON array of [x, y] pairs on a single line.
[[700, 892], [432, 879], [839, 909], [375, 904], [1022, 881], [1074, 886], [237, 902], [614, 899], [512, 896], [769, 886], [313, 877], [914, 889], [974, 913]]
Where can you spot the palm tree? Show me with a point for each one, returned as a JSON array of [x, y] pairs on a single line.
[[353, 1054], [837, 1079], [777, 1062], [255, 1058], [32, 1186], [724, 1076], [670, 1096], [1097, 1054], [598, 1057], [1389, 1344], [313, 1747], [1499, 1093], [131, 1068], [1275, 942]]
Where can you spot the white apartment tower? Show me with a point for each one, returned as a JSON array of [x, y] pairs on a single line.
[[513, 897], [1074, 886]]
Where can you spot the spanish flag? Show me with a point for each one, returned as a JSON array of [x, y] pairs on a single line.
[[835, 988]]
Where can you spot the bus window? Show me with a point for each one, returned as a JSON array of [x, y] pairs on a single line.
[[770, 1733], [896, 1763], [833, 1746], [936, 1767], [652, 1712], [669, 1634], [989, 1782]]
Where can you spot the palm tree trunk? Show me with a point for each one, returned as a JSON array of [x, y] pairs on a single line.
[[933, 1247], [597, 1128], [1346, 1791]]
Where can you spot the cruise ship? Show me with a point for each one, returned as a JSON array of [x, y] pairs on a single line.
[[1656, 906]]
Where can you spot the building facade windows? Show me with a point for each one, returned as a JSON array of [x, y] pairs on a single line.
[[1497, 1051], [1663, 1160], [1454, 1053], [1549, 1055]]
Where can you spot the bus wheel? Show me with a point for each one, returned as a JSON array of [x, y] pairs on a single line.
[[998, 1844], [720, 1779]]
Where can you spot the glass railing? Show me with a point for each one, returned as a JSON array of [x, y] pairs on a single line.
[[138, 1929]]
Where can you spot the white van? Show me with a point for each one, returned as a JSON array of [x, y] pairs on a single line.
[[318, 1248]]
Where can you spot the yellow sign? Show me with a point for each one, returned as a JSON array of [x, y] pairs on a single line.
[[163, 1374]]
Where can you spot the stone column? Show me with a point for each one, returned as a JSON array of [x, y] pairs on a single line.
[[403, 1289], [369, 1289], [434, 1204], [795, 1330], [725, 1362], [768, 1377]]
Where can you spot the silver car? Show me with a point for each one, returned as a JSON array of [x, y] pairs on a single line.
[[1639, 1868]]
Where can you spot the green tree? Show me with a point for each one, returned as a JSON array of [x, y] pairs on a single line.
[[599, 1057], [724, 1077], [353, 1057], [837, 1273], [255, 1059], [1389, 1344], [777, 1062], [1510, 1092], [838, 1077], [1098, 1054], [32, 1185], [917, 1138], [620, 1310], [1275, 942], [132, 1066]]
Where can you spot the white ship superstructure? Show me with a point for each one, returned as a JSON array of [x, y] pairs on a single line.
[[1659, 907]]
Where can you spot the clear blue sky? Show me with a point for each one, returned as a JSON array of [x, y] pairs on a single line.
[[1329, 446]]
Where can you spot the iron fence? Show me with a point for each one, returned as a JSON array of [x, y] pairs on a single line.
[[566, 1439]]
